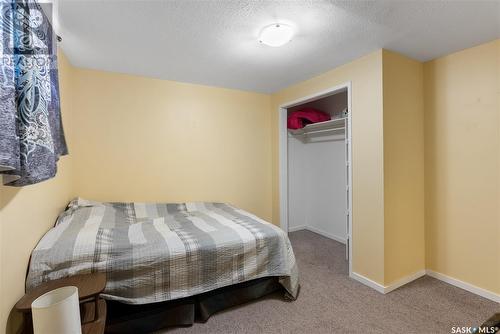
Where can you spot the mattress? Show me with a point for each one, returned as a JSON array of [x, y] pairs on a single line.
[[155, 252]]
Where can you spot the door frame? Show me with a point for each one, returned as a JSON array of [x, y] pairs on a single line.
[[283, 156]]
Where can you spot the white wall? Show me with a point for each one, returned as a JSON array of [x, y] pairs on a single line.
[[317, 187], [297, 184]]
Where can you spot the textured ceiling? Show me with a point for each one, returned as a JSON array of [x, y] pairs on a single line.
[[215, 42]]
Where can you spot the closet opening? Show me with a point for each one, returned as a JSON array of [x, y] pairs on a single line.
[[315, 166]]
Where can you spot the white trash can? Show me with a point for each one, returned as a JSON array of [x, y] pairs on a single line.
[[57, 312]]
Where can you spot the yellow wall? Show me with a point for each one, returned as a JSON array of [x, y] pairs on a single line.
[[367, 148], [404, 245], [27, 213], [139, 139], [142, 139], [462, 169]]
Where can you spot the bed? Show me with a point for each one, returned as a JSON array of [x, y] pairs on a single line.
[[155, 252]]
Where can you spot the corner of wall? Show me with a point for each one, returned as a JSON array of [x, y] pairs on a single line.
[[274, 160], [403, 114]]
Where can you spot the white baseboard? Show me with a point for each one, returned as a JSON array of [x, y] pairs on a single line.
[[368, 282], [447, 279], [387, 288], [318, 231], [326, 234], [297, 228], [405, 280], [465, 286]]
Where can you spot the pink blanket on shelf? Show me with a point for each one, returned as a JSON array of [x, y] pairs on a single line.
[[299, 119]]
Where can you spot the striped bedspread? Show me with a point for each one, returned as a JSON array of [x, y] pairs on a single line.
[[158, 252]]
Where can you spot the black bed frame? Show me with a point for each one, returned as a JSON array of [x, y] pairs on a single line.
[[124, 318]]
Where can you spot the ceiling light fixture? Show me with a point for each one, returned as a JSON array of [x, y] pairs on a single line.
[[276, 34]]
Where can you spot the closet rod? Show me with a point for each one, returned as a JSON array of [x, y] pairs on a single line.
[[320, 131], [324, 139]]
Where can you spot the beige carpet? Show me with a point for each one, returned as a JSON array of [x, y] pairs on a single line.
[[330, 302]]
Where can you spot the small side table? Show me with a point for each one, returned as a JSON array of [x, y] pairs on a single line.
[[92, 308]]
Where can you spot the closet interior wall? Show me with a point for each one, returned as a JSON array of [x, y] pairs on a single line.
[[317, 176]]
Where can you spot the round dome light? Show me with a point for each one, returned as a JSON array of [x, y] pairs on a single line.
[[276, 34]]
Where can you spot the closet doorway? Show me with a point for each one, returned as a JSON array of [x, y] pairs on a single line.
[[316, 169]]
